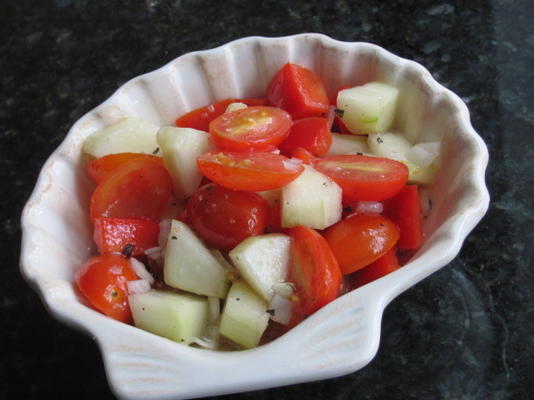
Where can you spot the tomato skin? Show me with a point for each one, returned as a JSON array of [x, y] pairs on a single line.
[[360, 239], [364, 178], [258, 128], [111, 235], [311, 133], [314, 271], [254, 172], [201, 117], [405, 210], [139, 188], [299, 91], [102, 280], [101, 168], [381, 267], [304, 155], [223, 217]]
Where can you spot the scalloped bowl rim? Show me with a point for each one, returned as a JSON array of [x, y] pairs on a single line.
[[449, 242]]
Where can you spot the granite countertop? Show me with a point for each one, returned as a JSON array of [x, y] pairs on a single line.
[[463, 333]]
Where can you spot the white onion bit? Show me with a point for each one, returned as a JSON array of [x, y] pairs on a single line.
[[369, 207], [280, 309], [164, 229], [141, 270], [137, 287]]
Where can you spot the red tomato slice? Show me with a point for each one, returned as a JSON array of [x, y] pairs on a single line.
[[250, 129], [405, 210], [102, 280], [359, 240], [140, 189], [252, 172], [381, 267], [314, 270], [223, 217], [312, 134], [200, 118], [100, 168], [364, 178], [114, 235], [304, 155], [299, 91]]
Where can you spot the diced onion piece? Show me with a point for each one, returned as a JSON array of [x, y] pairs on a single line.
[[284, 289], [424, 199], [280, 309], [231, 272], [154, 253], [369, 207], [235, 106], [330, 115], [210, 338], [141, 270], [138, 286], [424, 154], [164, 229]]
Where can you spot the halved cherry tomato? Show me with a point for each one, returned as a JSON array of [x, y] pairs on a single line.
[[140, 188], [250, 129], [313, 269], [200, 118], [299, 91], [381, 267], [252, 172], [102, 280], [359, 240], [304, 155], [311, 134], [100, 168], [364, 178], [405, 210], [114, 235], [224, 217]]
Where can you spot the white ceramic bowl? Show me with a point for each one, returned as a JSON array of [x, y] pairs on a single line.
[[340, 338]]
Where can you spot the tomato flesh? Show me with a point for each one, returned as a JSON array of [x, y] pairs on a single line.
[[249, 171], [405, 210], [314, 270], [201, 117], [114, 235], [304, 155], [140, 189], [311, 134], [381, 267], [103, 281], [250, 129], [101, 168], [223, 217], [299, 91], [360, 239], [364, 178]]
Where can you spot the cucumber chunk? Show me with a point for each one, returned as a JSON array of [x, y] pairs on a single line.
[[263, 261], [190, 266], [369, 108], [180, 148], [245, 317], [129, 135], [181, 317], [313, 200], [347, 144]]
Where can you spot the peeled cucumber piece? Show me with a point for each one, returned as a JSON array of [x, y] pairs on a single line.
[[180, 148], [347, 144], [181, 317], [245, 317], [368, 108], [313, 200], [397, 147], [190, 266], [263, 261], [129, 135]]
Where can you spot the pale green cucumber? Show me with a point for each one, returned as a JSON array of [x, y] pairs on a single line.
[[368, 108], [181, 317], [190, 266], [263, 261], [180, 148], [245, 317], [313, 200], [129, 135], [347, 144]]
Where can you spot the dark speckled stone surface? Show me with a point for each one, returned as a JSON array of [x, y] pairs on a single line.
[[466, 332]]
